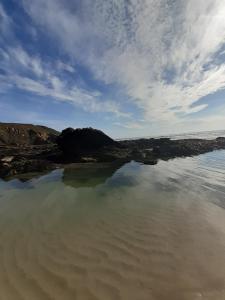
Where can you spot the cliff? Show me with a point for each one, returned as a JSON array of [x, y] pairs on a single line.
[[26, 134]]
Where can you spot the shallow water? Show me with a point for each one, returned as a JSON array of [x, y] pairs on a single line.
[[116, 232]]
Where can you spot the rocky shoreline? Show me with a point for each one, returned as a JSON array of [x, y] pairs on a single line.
[[93, 146]]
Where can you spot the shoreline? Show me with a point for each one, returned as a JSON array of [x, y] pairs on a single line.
[[19, 160]]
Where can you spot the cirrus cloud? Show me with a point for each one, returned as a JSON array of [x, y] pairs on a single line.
[[166, 55]]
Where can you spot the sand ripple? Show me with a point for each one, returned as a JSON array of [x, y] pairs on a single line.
[[162, 238]]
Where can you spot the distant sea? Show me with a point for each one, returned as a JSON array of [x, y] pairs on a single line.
[[191, 135]]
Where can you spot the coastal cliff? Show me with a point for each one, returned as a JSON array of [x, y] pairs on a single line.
[[26, 134]]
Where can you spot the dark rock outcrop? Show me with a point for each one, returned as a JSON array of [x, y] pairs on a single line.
[[23, 166], [166, 148], [22, 159], [75, 143]]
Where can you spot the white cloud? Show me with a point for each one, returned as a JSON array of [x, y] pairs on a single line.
[[64, 67], [30, 73], [129, 125], [55, 88], [44, 81], [5, 22], [19, 59], [164, 54]]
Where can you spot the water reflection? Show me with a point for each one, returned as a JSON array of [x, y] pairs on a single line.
[[128, 231], [89, 175]]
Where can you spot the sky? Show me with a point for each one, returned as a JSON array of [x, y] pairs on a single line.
[[128, 67]]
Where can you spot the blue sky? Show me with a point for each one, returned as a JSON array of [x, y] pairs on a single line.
[[130, 68]]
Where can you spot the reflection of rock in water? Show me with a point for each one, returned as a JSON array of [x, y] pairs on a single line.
[[26, 177], [89, 175], [29, 180]]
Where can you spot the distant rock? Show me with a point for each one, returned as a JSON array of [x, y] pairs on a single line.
[[77, 142], [26, 134], [165, 148]]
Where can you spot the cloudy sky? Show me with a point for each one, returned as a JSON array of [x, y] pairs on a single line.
[[128, 67]]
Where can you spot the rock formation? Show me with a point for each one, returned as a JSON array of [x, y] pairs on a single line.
[[75, 143], [26, 134]]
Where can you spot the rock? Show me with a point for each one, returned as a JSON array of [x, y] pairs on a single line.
[[24, 166], [7, 159], [165, 148], [156, 150], [88, 159], [6, 170], [220, 141], [76, 142], [150, 161], [26, 134]]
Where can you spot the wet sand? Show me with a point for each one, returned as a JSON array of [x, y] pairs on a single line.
[[144, 232]]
